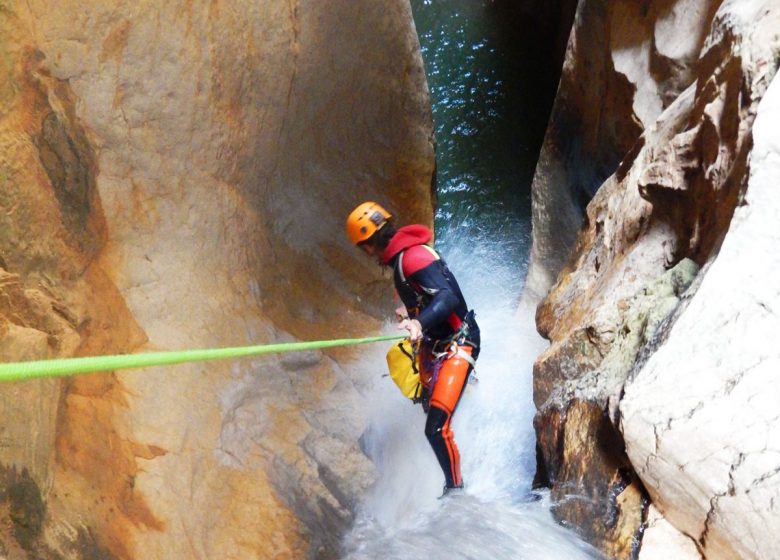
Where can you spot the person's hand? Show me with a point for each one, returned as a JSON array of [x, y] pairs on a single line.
[[401, 313], [414, 327]]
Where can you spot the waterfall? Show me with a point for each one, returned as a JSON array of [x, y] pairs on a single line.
[[498, 516], [489, 117]]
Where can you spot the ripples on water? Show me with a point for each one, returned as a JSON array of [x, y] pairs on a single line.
[[487, 120]]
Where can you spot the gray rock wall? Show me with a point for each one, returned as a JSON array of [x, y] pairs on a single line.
[[625, 63], [692, 90], [700, 418]]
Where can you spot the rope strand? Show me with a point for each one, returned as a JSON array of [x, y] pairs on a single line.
[[19, 371]]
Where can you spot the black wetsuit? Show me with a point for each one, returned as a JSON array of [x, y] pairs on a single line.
[[431, 294]]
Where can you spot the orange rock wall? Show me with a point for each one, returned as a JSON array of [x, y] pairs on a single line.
[[177, 175]]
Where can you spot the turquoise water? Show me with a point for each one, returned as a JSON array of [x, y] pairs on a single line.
[[489, 118]]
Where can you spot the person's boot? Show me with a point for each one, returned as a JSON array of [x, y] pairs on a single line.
[[451, 490]]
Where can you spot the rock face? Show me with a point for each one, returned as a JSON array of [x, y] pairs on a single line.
[[676, 141], [176, 175], [625, 62], [709, 455]]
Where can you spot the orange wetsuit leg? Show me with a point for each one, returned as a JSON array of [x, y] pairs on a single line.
[[452, 378], [444, 400]]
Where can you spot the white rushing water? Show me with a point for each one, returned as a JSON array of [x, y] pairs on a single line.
[[496, 517]]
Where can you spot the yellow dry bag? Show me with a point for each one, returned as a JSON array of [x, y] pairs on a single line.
[[404, 365]]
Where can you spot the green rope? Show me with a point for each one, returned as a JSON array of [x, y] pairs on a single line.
[[72, 366]]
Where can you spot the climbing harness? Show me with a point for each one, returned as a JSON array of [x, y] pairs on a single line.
[[452, 350], [450, 347], [19, 371]]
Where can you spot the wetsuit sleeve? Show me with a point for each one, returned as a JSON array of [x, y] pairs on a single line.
[[439, 309], [427, 274], [408, 300]]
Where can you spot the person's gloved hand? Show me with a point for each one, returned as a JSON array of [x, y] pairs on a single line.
[[414, 327]]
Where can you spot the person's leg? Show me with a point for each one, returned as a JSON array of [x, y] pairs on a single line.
[[446, 394], [439, 434]]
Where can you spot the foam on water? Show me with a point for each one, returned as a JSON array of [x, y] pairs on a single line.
[[496, 516], [490, 112], [468, 527]]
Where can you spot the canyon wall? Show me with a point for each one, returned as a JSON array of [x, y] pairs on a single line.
[[700, 417], [177, 175], [653, 420]]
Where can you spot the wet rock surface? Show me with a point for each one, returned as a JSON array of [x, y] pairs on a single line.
[[581, 449], [666, 211]]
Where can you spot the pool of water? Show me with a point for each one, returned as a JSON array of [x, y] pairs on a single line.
[[490, 108]]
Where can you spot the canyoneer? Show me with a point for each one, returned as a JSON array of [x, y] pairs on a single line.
[[435, 314]]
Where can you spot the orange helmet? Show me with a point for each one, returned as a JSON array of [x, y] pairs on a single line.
[[365, 221]]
